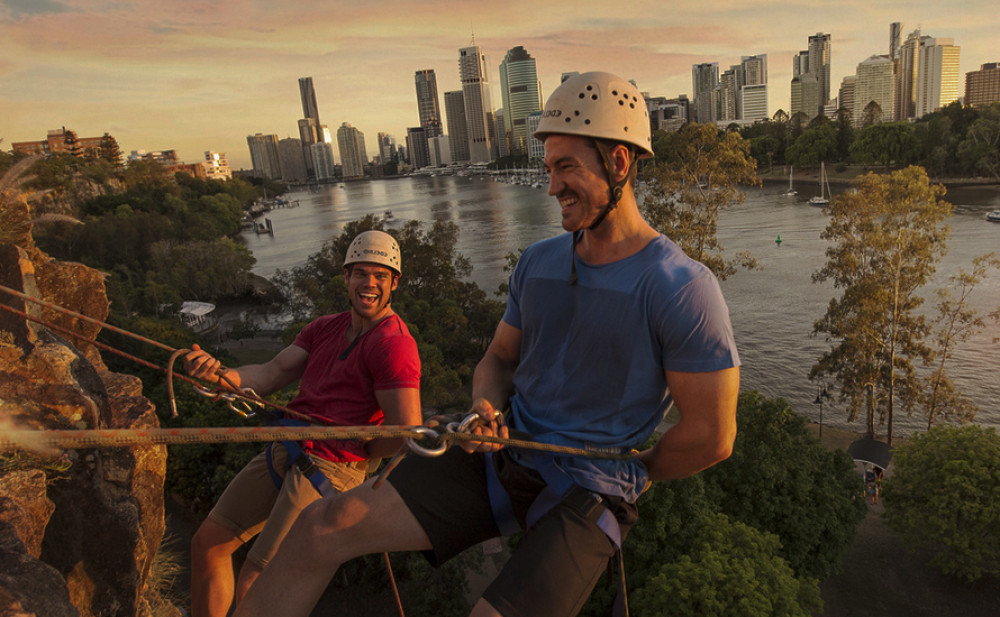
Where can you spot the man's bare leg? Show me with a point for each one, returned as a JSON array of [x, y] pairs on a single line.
[[248, 574], [328, 533], [212, 549], [484, 609]]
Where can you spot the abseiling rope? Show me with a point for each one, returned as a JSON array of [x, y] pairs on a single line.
[[109, 438], [11, 440]]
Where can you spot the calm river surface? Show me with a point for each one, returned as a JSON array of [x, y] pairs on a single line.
[[772, 309]]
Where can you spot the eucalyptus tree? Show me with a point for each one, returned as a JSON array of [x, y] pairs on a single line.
[[698, 171], [886, 236]]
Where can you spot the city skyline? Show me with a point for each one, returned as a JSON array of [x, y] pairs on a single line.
[[192, 77]]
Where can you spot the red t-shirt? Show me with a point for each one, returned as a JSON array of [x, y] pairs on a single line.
[[342, 392]]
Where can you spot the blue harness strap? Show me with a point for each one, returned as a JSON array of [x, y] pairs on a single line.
[[301, 459], [559, 488]]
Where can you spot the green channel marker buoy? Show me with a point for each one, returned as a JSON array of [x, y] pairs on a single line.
[[778, 241]]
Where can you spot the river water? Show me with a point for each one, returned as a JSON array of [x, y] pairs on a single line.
[[772, 309]]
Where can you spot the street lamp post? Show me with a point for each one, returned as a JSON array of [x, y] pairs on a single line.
[[821, 395]]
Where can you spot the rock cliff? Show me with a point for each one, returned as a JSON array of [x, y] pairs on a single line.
[[78, 533]]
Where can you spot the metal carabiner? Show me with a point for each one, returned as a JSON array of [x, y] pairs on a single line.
[[429, 433]]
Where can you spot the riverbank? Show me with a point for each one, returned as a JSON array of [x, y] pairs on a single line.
[[844, 175]]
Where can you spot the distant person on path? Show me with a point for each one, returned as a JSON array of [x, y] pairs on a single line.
[[601, 324], [356, 367]]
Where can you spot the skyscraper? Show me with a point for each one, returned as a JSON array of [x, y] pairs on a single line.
[[874, 85], [472, 73], [811, 77], [520, 91], [264, 156], [427, 98], [906, 77], [705, 81], [458, 129], [937, 74], [819, 65], [308, 93], [752, 101], [311, 131], [351, 143]]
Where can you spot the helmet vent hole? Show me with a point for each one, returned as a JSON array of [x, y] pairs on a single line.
[[576, 112], [593, 97], [568, 119], [583, 94], [621, 103], [626, 129], [631, 105], [587, 121]]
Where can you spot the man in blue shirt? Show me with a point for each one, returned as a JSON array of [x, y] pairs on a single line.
[[605, 327]]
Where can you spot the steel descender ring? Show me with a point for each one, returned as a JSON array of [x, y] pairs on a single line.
[[428, 433]]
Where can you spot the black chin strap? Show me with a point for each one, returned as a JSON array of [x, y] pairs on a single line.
[[614, 196]]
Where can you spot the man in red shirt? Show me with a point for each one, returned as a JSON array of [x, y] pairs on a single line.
[[356, 367]]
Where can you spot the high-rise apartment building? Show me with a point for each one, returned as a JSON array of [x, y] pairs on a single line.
[[895, 39], [472, 72], [311, 131], [811, 77], [351, 143], [217, 166], [982, 87], [726, 109], [536, 148], [386, 147], [458, 129], [846, 94], [418, 147], [705, 82], [937, 74], [292, 160], [427, 98], [264, 156], [907, 64], [819, 65], [521, 94], [875, 84], [752, 101], [322, 158]]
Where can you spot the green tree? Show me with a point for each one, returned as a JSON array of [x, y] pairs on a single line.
[[732, 569], [698, 172], [942, 497], [782, 481], [815, 145], [845, 133], [885, 144], [110, 151], [871, 114], [887, 236], [956, 321]]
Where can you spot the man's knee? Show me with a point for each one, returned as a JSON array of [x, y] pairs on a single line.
[[213, 539]]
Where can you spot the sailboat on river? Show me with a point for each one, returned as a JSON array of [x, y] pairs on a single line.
[[823, 198], [791, 192]]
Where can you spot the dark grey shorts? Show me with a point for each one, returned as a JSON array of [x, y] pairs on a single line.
[[556, 563]]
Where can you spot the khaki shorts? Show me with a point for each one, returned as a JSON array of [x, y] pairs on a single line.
[[253, 505]]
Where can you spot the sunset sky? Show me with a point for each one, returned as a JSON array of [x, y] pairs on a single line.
[[202, 75]]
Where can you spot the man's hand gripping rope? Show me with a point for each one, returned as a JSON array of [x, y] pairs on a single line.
[[482, 420]]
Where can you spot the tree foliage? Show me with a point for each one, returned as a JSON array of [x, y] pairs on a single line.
[[782, 507], [943, 495], [731, 569], [781, 480], [885, 144], [817, 144], [955, 322], [887, 236], [698, 172]]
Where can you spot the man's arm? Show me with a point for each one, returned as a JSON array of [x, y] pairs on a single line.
[[493, 383], [280, 371], [399, 406], [707, 428]]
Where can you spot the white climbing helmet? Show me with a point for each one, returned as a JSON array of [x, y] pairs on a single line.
[[375, 247], [601, 106]]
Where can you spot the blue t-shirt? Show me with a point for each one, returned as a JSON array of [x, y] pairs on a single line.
[[593, 355]]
